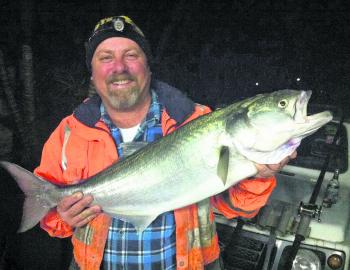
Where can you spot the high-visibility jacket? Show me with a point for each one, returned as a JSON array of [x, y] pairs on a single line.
[[82, 146]]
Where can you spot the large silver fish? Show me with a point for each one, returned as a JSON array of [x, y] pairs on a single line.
[[199, 160]]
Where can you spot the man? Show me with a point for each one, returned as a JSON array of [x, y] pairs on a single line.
[[131, 109]]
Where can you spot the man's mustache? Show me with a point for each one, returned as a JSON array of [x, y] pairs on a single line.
[[119, 77]]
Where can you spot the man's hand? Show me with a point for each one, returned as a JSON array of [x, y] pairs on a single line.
[[269, 170], [76, 209]]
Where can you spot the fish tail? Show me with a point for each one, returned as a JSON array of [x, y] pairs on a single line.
[[36, 204]]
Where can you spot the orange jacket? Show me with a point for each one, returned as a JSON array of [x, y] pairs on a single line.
[[82, 146]]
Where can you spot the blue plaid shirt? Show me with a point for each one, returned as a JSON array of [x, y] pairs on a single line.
[[154, 248]]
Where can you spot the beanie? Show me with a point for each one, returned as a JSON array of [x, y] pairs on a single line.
[[117, 26]]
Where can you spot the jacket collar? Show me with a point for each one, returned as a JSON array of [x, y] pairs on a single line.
[[178, 106]]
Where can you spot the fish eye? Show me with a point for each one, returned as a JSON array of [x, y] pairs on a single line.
[[282, 104]]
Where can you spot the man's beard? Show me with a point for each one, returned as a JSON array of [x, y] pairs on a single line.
[[125, 99]]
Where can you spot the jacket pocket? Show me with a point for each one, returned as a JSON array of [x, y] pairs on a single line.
[[75, 154]]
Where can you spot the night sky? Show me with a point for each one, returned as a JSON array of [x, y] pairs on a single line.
[[215, 51]]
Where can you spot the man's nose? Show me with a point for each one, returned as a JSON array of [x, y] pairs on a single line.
[[119, 66]]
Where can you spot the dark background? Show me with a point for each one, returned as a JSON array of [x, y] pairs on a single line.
[[215, 51]]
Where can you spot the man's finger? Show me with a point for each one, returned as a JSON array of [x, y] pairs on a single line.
[[68, 201], [80, 205], [86, 216], [293, 155], [85, 221]]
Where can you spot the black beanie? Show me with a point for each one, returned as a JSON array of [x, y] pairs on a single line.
[[118, 26]]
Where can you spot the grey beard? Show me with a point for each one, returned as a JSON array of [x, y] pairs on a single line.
[[123, 101]]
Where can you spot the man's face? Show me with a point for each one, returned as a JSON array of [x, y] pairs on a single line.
[[120, 73]]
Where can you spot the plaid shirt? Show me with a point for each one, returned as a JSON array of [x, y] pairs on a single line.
[[154, 248]]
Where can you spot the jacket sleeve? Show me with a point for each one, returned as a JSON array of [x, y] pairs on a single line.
[[245, 198], [50, 169]]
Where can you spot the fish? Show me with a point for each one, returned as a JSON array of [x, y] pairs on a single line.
[[200, 159]]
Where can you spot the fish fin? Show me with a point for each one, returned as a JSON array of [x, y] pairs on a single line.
[[239, 168], [33, 211], [35, 206], [139, 222], [224, 158]]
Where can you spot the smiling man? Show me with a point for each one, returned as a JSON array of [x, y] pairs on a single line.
[[122, 77], [131, 110]]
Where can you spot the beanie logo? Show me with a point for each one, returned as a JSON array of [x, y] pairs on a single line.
[[118, 25]]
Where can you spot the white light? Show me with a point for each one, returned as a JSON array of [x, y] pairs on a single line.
[[256, 83], [298, 79], [306, 260]]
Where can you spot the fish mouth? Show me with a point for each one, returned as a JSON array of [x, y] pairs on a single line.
[[309, 123], [301, 106]]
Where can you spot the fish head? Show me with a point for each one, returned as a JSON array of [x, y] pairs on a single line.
[[274, 125]]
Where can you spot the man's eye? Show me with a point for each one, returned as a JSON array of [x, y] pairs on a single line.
[[132, 55], [105, 58]]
